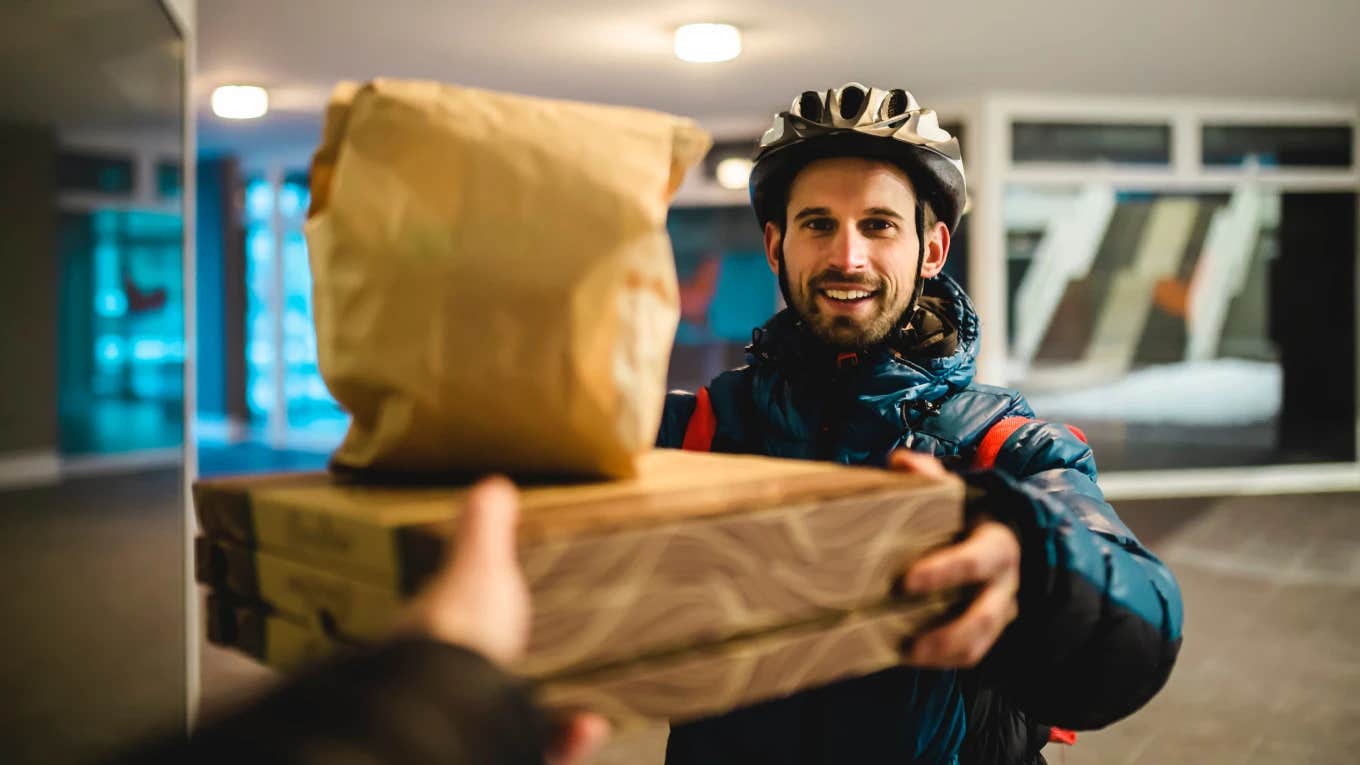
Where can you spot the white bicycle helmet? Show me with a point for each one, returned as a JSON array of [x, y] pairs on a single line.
[[855, 121]]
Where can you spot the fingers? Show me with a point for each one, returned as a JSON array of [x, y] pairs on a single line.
[[486, 532], [990, 549], [966, 640], [909, 461], [580, 738], [989, 556]]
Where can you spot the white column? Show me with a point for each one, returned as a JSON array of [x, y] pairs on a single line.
[[276, 426], [987, 255], [184, 15]]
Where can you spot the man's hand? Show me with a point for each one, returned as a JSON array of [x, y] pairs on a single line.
[[990, 558], [479, 600]]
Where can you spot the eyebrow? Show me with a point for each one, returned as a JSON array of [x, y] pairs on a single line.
[[885, 212], [808, 212]]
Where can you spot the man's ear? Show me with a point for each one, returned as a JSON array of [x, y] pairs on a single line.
[[936, 251], [773, 238]]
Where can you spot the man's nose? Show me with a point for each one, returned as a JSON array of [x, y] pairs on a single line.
[[849, 250]]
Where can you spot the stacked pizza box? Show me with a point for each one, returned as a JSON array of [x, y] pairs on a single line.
[[704, 583]]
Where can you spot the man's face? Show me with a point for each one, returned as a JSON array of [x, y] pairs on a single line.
[[850, 248]]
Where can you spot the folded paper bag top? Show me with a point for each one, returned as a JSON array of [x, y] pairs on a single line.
[[493, 284]]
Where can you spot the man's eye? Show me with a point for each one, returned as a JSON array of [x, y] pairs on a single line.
[[879, 224], [820, 224]]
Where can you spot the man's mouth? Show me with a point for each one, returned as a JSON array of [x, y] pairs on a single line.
[[846, 295]]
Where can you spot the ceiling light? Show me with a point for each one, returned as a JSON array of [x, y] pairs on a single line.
[[707, 43], [240, 102], [733, 172]]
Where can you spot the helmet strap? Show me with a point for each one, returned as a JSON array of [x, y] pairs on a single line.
[[919, 285], [783, 277]]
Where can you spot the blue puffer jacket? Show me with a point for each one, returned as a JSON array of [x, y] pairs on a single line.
[[1100, 616]]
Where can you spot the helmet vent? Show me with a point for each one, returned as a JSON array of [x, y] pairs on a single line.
[[852, 100], [810, 106], [896, 103]]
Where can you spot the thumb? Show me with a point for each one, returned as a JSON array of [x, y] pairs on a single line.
[[486, 532], [580, 738], [909, 461]]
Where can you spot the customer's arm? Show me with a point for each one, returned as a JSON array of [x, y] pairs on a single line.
[[434, 694]]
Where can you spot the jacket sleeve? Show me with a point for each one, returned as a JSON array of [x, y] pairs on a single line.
[[1100, 617], [405, 703]]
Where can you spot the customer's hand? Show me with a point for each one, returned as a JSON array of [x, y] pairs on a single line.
[[989, 557], [479, 600]]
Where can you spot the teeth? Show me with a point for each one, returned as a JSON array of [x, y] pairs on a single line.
[[846, 294]]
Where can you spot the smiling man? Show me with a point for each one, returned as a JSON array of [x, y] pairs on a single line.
[[1073, 622]]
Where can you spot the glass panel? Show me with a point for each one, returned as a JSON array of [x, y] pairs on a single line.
[[122, 367], [1149, 320], [259, 245], [1083, 142], [313, 417], [1278, 146]]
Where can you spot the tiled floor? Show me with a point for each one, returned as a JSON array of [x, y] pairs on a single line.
[[91, 617], [1270, 671]]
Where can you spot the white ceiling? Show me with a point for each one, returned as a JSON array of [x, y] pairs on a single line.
[[619, 51]]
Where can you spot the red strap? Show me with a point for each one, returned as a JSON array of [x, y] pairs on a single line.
[[1062, 736], [993, 441], [702, 425], [996, 438]]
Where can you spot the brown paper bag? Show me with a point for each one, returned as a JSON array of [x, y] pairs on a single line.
[[494, 287]]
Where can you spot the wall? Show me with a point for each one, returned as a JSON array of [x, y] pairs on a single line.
[[28, 294]]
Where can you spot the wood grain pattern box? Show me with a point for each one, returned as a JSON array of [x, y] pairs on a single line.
[[708, 581]]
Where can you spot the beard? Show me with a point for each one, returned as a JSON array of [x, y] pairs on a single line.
[[843, 332]]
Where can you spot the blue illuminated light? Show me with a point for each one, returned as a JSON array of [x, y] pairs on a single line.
[[291, 200], [261, 396], [149, 349], [111, 304], [110, 349], [261, 245], [261, 354], [259, 200]]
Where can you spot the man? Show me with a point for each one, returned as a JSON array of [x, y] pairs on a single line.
[[1073, 623], [434, 693]]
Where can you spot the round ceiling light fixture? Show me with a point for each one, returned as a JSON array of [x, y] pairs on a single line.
[[707, 43], [240, 102], [733, 172]]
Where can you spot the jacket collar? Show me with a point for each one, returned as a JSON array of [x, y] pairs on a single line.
[[935, 352]]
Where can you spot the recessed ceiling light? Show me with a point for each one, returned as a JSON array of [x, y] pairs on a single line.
[[707, 43], [733, 172], [240, 102]]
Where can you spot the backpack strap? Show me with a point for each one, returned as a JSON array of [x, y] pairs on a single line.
[[990, 446], [1062, 736], [703, 424]]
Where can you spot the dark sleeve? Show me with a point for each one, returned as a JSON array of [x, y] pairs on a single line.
[[1100, 617], [675, 418], [401, 704]]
